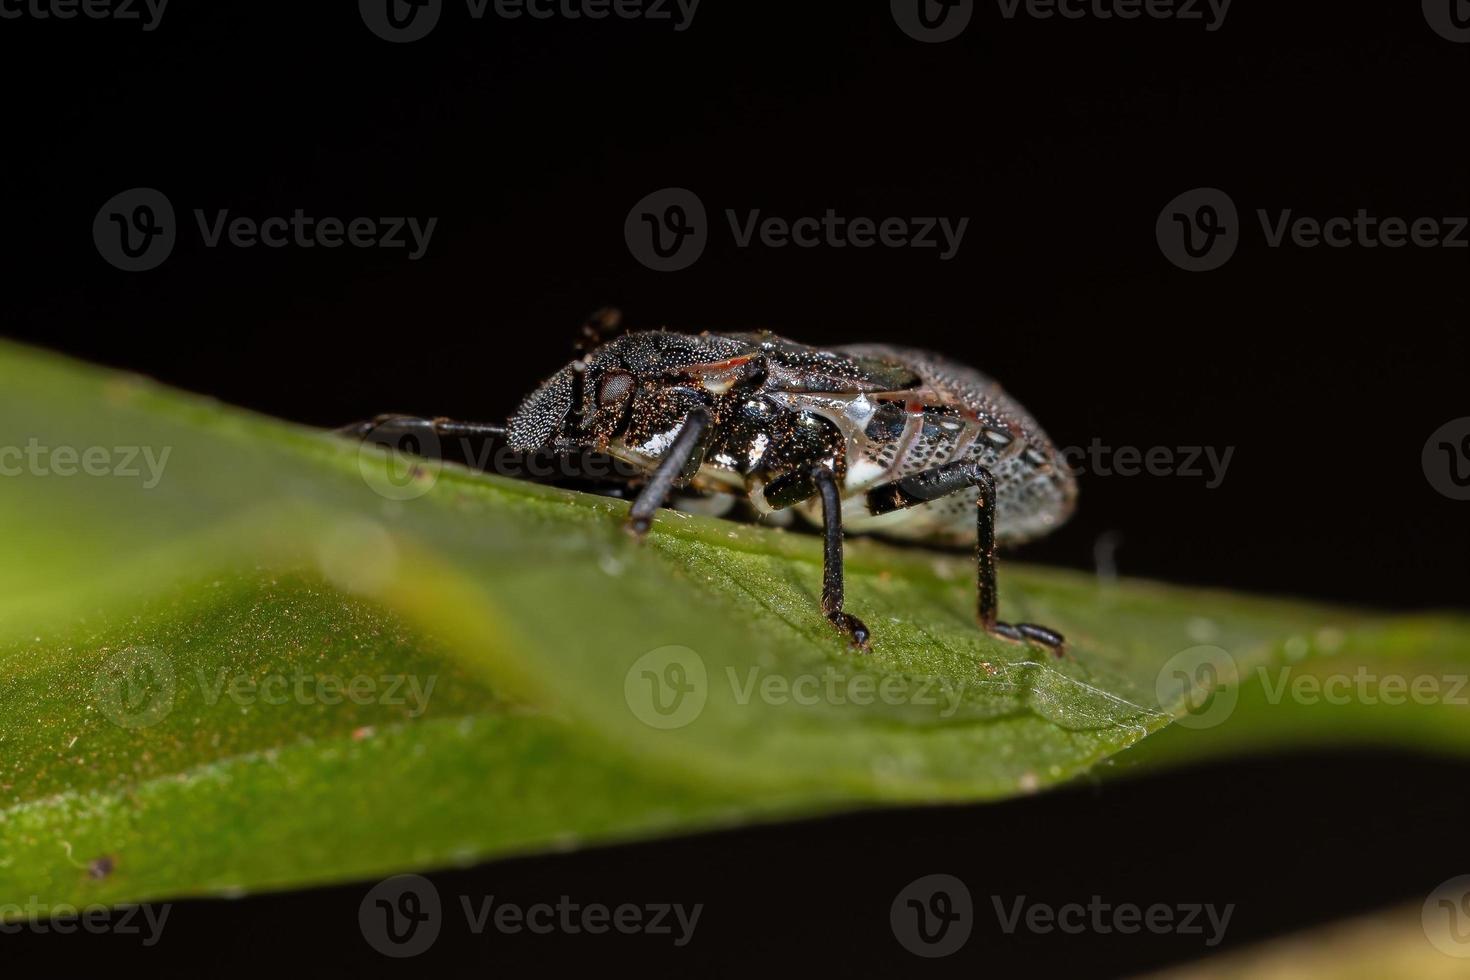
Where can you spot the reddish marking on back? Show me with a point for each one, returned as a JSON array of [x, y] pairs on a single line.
[[714, 367]]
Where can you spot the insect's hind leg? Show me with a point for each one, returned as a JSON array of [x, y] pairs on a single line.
[[941, 481]]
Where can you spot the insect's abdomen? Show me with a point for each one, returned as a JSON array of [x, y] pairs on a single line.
[[958, 413]]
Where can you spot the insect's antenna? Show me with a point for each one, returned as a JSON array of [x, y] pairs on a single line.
[[598, 329]]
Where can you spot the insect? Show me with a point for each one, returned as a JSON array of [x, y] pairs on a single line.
[[875, 439]]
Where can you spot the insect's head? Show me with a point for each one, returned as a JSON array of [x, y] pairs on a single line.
[[634, 389]]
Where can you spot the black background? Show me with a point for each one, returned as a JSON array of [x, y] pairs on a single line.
[[1325, 369]]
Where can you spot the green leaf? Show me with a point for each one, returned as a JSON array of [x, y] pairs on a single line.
[[237, 654]]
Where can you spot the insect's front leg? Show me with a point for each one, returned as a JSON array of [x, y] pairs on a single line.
[[955, 477], [680, 460], [832, 587]]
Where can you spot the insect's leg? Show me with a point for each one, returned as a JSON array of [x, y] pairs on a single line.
[[985, 559], [951, 478], [832, 592], [389, 430], [683, 455]]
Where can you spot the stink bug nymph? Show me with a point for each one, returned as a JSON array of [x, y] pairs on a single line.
[[864, 438]]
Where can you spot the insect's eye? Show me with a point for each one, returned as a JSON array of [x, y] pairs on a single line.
[[614, 387]]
